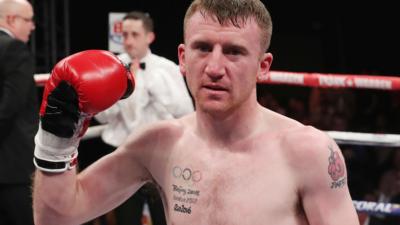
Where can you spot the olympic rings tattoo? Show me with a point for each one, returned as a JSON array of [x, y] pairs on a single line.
[[186, 174]]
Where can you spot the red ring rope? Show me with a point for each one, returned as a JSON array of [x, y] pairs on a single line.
[[331, 80], [328, 80]]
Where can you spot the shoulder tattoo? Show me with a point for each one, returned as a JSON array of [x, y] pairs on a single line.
[[336, 169]]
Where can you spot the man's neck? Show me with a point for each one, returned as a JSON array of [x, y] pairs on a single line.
[[230, 127], [143, 57]]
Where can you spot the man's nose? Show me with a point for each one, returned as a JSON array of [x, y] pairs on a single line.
[[215, 67], [128, 39]]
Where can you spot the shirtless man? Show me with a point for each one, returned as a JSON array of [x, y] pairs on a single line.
[[230, 162]]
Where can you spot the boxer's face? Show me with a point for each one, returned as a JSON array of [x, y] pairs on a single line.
[[136, 39], [221, 63]]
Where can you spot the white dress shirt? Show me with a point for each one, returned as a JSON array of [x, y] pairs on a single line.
[[160, 93]]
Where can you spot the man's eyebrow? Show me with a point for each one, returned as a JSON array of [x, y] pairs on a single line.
[[237, 47], [198, 43], [230, 46]]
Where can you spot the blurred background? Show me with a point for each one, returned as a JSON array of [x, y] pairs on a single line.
[[346, 36]]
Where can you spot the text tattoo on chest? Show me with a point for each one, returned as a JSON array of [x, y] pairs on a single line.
[[336, 169], [184, 190]]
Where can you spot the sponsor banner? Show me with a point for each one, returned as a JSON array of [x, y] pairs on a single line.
[[377, 207], [115, 32]]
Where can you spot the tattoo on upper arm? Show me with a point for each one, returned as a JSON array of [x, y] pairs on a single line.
[[336, 169]]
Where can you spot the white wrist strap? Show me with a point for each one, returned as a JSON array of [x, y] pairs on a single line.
[[54, 154], [54, 166]]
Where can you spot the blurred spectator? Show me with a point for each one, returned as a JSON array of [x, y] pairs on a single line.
[[389, 190], [268, 101], [297, 110], [18, 112]]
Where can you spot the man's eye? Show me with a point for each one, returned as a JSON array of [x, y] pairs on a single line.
[[204, 48], [232, 52]]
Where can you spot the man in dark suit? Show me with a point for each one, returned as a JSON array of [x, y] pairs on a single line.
[[18, 112]]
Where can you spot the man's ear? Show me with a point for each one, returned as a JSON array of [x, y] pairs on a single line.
[[265, 64], [150, 37], [181, 57]]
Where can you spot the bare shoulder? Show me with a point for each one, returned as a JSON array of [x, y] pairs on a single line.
[[158, 131], [298, 142], [152, 146], [304, 137], [313, 155], [162, 135], [307, 146], [296, 138]]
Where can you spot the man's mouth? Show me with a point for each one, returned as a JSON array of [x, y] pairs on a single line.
[[215, 87]]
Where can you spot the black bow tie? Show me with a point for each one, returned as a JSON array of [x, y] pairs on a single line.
[[142, 65]]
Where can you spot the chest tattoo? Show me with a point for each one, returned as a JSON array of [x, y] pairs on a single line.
[[185, 192]]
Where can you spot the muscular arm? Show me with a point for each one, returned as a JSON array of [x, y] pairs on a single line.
[[322, 180], [80, 86], [71, 198]]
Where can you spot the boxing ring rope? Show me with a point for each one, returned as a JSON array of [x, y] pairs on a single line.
[[390, 83], [366, 139], [350, 138], [41, 78], [332, 80], [311, 80]]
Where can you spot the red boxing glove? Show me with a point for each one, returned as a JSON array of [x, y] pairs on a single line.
[[99, 78], [80, 86]]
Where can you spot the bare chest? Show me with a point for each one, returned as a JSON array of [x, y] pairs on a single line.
[[214, 186]]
